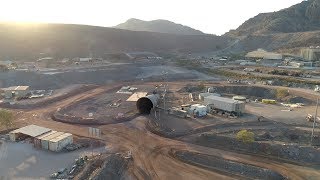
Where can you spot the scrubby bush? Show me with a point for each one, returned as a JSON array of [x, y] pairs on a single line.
[[245, 136], [281, 93], [201, 86], [6, 118]]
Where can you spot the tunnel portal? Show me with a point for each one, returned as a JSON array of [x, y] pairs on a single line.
[[144, 105]]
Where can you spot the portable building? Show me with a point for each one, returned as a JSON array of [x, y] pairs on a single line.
[[58, 143], [198, 110], [16, 91]]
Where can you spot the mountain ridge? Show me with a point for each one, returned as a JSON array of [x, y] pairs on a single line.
[[159, 25], [69, 40]]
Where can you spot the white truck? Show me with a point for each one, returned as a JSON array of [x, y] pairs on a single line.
[[224, 105]]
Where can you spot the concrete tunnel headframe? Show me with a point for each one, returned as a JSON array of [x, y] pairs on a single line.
[[145, 104]]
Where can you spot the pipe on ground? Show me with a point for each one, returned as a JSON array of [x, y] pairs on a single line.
[[145, 104]]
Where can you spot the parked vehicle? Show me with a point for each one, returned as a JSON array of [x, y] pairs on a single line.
[[224, 105]]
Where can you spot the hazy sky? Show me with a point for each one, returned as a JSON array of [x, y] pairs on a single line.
[[209, 16]]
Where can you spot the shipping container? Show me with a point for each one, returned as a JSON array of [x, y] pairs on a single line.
[[58, 143], [45, 140], [224, 104], [37, 140]]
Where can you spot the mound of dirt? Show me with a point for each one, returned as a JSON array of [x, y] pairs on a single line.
[[220, 164], [104, 167], [113, 168], [190, 88], [249, 91], [297, 99]]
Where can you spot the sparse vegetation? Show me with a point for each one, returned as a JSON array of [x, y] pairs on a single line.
[[201, 86], [6, 118], [237, 56], [281, 93], [245, 136]]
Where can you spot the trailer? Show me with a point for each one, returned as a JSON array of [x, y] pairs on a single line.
[[224, 105]]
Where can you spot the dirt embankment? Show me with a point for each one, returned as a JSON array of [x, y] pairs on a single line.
[[49, 100], [164, 131], [239, 170], [101, 168], [61, 115], [258, 92], [58, 116], [247, 91], [288, 152]]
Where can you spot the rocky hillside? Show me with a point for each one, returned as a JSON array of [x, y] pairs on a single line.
[[281, 42], [285, 31], [162, 26], [62, 40], [298, 18]]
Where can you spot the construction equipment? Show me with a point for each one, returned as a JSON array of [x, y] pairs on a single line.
[[310, 118]]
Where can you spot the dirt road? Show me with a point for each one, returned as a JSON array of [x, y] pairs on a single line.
[[151, 158]]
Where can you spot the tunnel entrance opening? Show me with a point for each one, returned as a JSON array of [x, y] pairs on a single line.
[[144, 105]]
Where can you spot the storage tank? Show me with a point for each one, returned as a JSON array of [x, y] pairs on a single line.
[[225, 104]]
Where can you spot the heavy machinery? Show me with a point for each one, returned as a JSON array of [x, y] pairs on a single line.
[[310, 118]]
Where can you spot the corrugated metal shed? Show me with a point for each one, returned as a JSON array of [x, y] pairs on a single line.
[[31, 130], [198, 109]]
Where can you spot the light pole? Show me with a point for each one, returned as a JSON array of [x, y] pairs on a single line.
[[314, 121]]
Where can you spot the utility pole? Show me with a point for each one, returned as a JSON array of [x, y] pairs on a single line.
[[314, 121], [164, 97]]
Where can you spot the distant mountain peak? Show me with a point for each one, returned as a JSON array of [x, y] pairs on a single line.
[[159, 25]]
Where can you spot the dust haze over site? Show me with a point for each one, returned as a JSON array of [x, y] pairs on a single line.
[[212, 17], [159, 90]]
